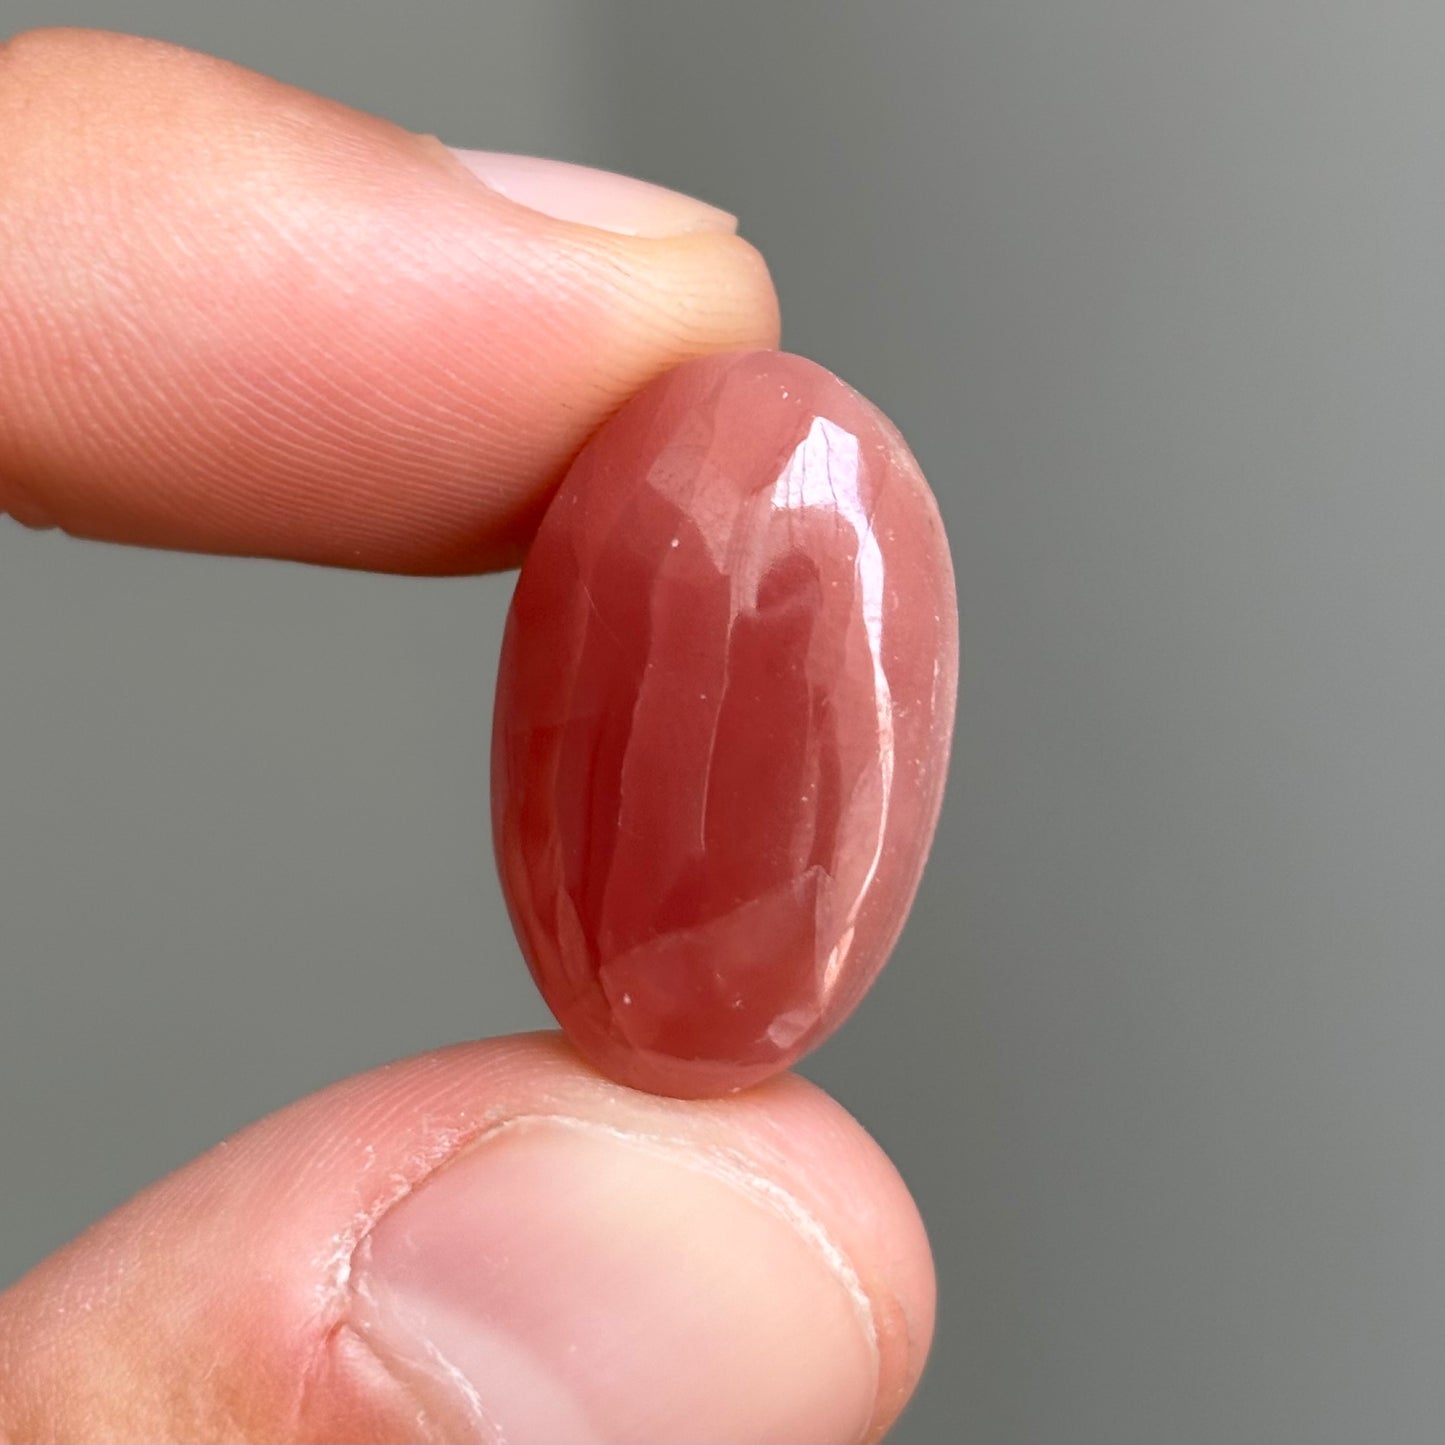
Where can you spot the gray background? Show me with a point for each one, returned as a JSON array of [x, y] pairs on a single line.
[[1157, 291]]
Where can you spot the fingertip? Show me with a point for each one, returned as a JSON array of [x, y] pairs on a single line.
[[235, 317], [491, 1238]]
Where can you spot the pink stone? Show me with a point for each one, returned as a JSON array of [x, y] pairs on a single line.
[[723, 722]]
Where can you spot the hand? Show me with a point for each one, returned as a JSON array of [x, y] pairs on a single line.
[[238, 318]]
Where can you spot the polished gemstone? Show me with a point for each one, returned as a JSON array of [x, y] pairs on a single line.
[[723, 721]]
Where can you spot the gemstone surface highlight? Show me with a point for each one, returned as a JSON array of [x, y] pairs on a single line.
[[723, 721]]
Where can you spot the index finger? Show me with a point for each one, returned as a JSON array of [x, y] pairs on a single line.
[[236, 317]]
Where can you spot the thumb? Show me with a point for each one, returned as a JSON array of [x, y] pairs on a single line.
[[490, 1243], [238, 317]]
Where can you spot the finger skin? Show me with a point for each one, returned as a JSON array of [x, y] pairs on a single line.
[[238, 317], [213, 1305]]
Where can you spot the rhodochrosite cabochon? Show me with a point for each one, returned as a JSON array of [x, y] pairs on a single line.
[[723, 720]]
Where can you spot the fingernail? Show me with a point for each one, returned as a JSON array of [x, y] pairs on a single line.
[[594, 198], [560, 1281]]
